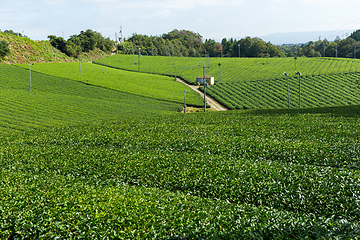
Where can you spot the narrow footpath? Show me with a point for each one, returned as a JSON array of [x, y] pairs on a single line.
[[213, 104]]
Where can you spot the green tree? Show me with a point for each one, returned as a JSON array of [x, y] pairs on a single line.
[[4, 49]]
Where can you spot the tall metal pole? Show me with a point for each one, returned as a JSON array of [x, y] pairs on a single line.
[[9, 52], [133, 54], [101, 64], [220, 71], [30, 75], [184, 101], [173, 54], [116, 41], [336, 51], [298, 73], [80, 70], [354, 53], [287, 79], [205, 83], [239, 49], [295, 57], [175, 74], [139, 58]]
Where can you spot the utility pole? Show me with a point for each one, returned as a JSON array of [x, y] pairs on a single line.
[[336, 51], [205, 84], [121, 39], [295, 57], [139, 58], [9, 52], [56, 53], [287, 78], [133, 54], [101, 64], [298, 73], [30, 75], [80, 70], [354, 53], [116, 41], [220, 71], [184, 101], [173, 54], [175, 74]]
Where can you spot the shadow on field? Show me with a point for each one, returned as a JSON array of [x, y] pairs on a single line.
[[343, 111]]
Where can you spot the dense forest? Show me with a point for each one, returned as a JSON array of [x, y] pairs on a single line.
[[185, 43], [83, 42]]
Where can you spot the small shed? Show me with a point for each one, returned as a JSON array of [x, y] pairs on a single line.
[[209, 80]]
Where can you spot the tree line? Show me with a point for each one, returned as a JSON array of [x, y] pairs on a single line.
[[343, 48], [185, 43], [84, 42]]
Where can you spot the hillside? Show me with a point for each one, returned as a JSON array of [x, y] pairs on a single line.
[[255, 83], [148, 85], [25, 50], [284, 174], [55, 101]]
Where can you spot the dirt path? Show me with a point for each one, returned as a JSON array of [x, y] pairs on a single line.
[[215, 105]]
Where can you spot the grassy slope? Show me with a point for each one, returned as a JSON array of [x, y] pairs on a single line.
[[25, 50], [57, 102], [318, 91], [245, 82], [254, 174], [234, 69], [149, 85]]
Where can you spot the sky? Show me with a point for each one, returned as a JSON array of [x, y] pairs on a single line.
[[213, 19]]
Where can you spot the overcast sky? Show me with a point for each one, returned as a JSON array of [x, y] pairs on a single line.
[[213, 19]]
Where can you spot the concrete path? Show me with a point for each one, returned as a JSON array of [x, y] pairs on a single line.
[[215, 105]]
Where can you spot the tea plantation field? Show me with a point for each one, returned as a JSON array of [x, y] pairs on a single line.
[[148, 85], [265, 174], [55, 101], [317, 91], [233, 70]]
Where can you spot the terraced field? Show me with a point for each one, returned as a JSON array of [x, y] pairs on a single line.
[[233, 70], [318, 91], [260, 83], [84, 161], [148, 85], [54, 101], [235, 175]]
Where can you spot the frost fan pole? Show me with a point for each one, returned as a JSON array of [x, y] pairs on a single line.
[[80, 70], [139, 58], [184, 101], [30, 75], [287, 79], [205, 83], [298, 73]]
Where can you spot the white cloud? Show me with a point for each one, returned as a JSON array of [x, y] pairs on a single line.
[[169, 4]]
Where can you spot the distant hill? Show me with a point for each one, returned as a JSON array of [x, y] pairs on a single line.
[[304, 37]]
